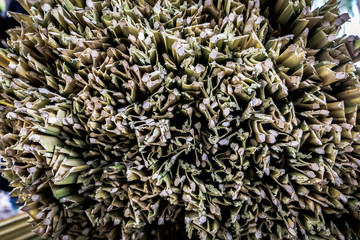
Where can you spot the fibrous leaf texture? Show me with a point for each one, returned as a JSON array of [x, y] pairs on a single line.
[[173, 119]]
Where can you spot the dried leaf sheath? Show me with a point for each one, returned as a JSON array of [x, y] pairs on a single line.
[[221, 119]]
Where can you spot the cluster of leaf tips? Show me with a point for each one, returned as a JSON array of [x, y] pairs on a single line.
[[211, 119]]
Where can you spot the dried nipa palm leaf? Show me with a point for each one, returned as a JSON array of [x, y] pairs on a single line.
[[213, 119]]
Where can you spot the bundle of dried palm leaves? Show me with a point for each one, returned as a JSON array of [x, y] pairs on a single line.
[[217, 119]]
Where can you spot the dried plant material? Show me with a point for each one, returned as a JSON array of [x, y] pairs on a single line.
[[17, 227], [213, 119]]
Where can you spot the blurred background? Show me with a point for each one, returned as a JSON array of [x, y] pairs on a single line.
[[2, 5], [8, 206]]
